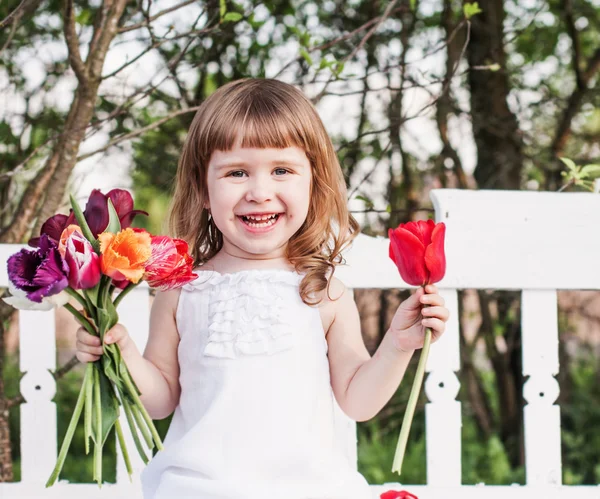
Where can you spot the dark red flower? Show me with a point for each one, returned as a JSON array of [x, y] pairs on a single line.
[[417, 249], [96, 209], [397, 494], [53, 228]]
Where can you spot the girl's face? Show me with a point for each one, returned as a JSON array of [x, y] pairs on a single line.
[[258, 198]]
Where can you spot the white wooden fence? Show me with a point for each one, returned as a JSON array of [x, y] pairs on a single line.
[[534, 242]]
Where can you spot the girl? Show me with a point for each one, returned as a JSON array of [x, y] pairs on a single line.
[[253, 355]]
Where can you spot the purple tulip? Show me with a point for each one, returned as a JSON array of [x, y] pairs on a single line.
[[39, 273], [83, 262], [96, 209]]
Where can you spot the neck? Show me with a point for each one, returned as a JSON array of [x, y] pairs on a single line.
[[228, 262]]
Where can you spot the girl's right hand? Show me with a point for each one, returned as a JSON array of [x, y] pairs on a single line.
[[89, 348]]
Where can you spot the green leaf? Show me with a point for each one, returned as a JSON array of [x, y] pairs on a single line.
[[305, 39], [494, 67], [110, 408], [388, 208], [570, 164], [231, 17], [367, 201], [591, 171], [413, 4], [222, 8], [339, 67], [306, 56], [85, 17], [83, 225], [114, 224], [471, 9]]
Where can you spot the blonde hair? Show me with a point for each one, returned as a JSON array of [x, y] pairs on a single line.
[[265, 113]]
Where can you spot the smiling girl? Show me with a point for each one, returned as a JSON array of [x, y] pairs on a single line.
[[254, 354]]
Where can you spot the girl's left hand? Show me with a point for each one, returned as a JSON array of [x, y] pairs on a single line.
[[424, 309]]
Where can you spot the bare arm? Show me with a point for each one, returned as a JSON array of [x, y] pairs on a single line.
[[362, 385]]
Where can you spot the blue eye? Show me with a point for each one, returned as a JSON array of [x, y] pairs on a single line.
[[235, 174], [281, 170]]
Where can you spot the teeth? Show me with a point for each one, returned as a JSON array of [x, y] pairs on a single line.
[[260, 220]]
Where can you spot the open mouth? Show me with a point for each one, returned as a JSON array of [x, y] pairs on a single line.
[[258, 221]]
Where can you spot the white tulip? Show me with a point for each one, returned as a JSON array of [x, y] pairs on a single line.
[[20, 301]]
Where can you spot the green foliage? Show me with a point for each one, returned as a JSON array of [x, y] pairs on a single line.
[[471, 9], [486, 460], [582, 176], [580, 420]]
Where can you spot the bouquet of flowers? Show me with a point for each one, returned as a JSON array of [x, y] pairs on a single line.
[[96, 258]]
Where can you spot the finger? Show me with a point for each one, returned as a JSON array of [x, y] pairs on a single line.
[[115, 334], [413, 301], [434, 324], [87, 338], [432, 300], [91, 349], [437, 312], [86, 357], [431, 288]]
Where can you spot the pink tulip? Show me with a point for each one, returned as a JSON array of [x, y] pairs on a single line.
[[83, 261]]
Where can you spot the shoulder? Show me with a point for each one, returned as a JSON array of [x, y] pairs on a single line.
[[167, 301], [336, 299]]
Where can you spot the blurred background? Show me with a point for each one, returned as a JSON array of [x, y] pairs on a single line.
[[415, 95]]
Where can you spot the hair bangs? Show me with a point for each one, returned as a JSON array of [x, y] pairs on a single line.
[[257, 122]]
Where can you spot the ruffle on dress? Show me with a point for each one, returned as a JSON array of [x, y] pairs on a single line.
[[246, 313]]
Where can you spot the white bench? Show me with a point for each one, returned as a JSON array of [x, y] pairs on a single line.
[[534, 242]]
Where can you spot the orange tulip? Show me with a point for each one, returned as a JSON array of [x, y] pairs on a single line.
[[124, 255]]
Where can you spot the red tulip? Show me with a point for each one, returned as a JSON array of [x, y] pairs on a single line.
[[397, 494], [96, 209], [169, 266], [83, 261], [417, 249]]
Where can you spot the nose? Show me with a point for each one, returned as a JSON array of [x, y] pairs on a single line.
[[260, 190]]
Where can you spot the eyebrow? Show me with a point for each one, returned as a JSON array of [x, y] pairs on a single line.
[[241, 164]]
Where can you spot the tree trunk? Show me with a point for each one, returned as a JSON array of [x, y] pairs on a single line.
[[51, 181], [495, 127]]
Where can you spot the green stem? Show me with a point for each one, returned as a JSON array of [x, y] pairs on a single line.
[[71, 292], [412, 403], [133, 429], [90, 307], [83, 320], [123, 448], [142, 426], [133, 392], [124, 293], [98, 446], [69, 435], [87, 422]]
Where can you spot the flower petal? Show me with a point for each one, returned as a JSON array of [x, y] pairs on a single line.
[[422, 229], [96, 212], [408, 255], [435, 257]]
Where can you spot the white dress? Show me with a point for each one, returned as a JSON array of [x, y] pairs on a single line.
[[257, 416]]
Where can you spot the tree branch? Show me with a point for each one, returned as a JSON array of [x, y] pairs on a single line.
[[18, 13], [567, 8], [72, 41], [138, 132], [149, 19]]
